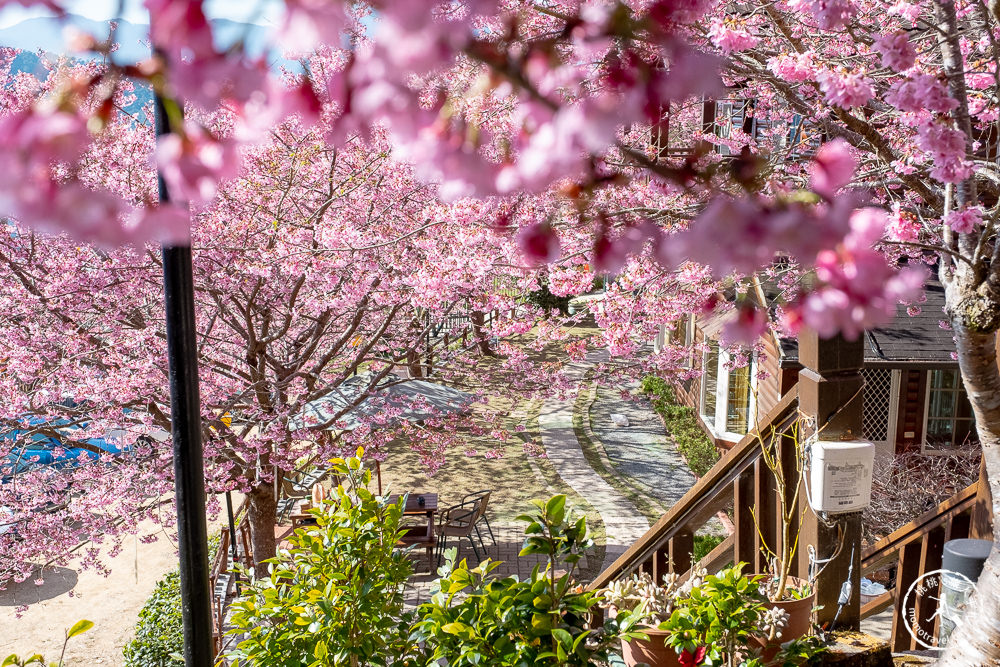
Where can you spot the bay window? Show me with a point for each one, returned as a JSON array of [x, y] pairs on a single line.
[[727, 395]]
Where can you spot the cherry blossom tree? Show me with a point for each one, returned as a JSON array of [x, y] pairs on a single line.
[[311, 264], [539, 111]]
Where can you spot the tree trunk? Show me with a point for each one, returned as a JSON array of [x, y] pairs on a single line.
[[976, 640], [478, 321], [262, 515]]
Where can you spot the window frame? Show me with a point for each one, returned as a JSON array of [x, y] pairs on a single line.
[[926, 448], [722, 395]]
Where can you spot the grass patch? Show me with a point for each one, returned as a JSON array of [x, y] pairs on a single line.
[[682, 424]]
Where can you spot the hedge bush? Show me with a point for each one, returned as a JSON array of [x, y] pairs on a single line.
[[682, 424], [159, 635]]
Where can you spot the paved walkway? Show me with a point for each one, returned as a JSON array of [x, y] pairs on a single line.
[[623, 523], [640, 451]]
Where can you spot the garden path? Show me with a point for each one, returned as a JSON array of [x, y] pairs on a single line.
[[641, 451], [623, 523]]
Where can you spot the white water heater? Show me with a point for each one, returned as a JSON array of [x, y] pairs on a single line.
[[840, 475]]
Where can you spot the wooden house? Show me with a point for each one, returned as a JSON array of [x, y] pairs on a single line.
[[914, 399]]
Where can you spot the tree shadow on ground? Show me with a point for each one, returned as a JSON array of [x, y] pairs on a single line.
[[56, 581]]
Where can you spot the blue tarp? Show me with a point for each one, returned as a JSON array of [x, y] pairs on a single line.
[[37, 449]]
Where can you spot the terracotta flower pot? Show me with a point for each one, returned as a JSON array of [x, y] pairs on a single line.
[[653, 652], [798, 625]]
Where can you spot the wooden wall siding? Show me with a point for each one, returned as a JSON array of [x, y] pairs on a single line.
[[769, 389], [910, 417], [689, 392]]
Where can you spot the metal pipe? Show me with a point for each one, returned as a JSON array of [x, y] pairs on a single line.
[[232, 539], [185, 414]]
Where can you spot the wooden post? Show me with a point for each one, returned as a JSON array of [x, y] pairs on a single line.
[[830, 392]]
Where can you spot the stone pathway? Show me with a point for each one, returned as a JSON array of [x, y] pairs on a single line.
[[641, 451], [623, 523]]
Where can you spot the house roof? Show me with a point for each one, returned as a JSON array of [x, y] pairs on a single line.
[[906, 341], [415, 399]]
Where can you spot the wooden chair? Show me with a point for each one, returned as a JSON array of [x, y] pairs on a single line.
[[483, 498], [457, 521]]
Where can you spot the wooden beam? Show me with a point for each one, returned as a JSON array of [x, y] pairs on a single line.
[[907, 571], [830, 394]]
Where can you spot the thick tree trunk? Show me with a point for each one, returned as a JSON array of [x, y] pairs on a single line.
[[976, 640], [262, 515], [478, 320]]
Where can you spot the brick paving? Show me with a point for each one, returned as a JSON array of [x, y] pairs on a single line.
[[510, 538]]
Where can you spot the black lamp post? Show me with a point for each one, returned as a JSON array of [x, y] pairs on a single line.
[[185, 412]]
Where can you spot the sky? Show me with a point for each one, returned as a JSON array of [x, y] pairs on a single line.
[[261, 12]]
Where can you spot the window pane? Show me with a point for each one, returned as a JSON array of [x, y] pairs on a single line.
[[710, 383], [949, 414], [942, 380], [738, 400]]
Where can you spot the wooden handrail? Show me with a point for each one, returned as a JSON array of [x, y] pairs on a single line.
[[709, 495], [889, 546], [913, 550]]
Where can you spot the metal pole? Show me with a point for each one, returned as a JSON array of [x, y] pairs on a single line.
[[232, 539], [185, 412]]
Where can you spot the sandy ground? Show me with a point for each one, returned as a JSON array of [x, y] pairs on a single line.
[[68, 595]]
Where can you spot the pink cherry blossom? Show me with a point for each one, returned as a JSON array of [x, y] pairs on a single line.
[[845, 89], [731, 38], [896, 50], [920, 92], [539, 243], [829, 14], [966, 220], [194, 164], [832, 168], [748, 326], [795, 67]]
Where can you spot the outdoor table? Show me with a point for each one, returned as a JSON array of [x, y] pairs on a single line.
[[422, 535], [299, 515]]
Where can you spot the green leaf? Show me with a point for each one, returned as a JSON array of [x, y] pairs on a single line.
[[555, 509], [454, 628], [79, 628], [10, 660]]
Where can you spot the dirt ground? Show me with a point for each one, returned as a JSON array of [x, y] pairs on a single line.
[[68, 595]]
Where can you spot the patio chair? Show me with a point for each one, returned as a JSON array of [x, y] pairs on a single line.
[[483, 497], [457, 521], [293, 490]]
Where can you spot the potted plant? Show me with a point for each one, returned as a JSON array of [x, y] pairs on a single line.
[[720, 619], [647, 605], [794, 596]]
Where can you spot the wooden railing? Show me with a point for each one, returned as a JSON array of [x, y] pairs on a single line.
[[741, 481], [221, 576], [738, 482], [917, 548]]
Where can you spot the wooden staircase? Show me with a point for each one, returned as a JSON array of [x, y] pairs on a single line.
[[741, 481]]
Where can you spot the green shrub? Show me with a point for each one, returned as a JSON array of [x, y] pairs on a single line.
[[159, 636], [682, 424], [703, 545], [544, 298], [477, 618], [335, 597]]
